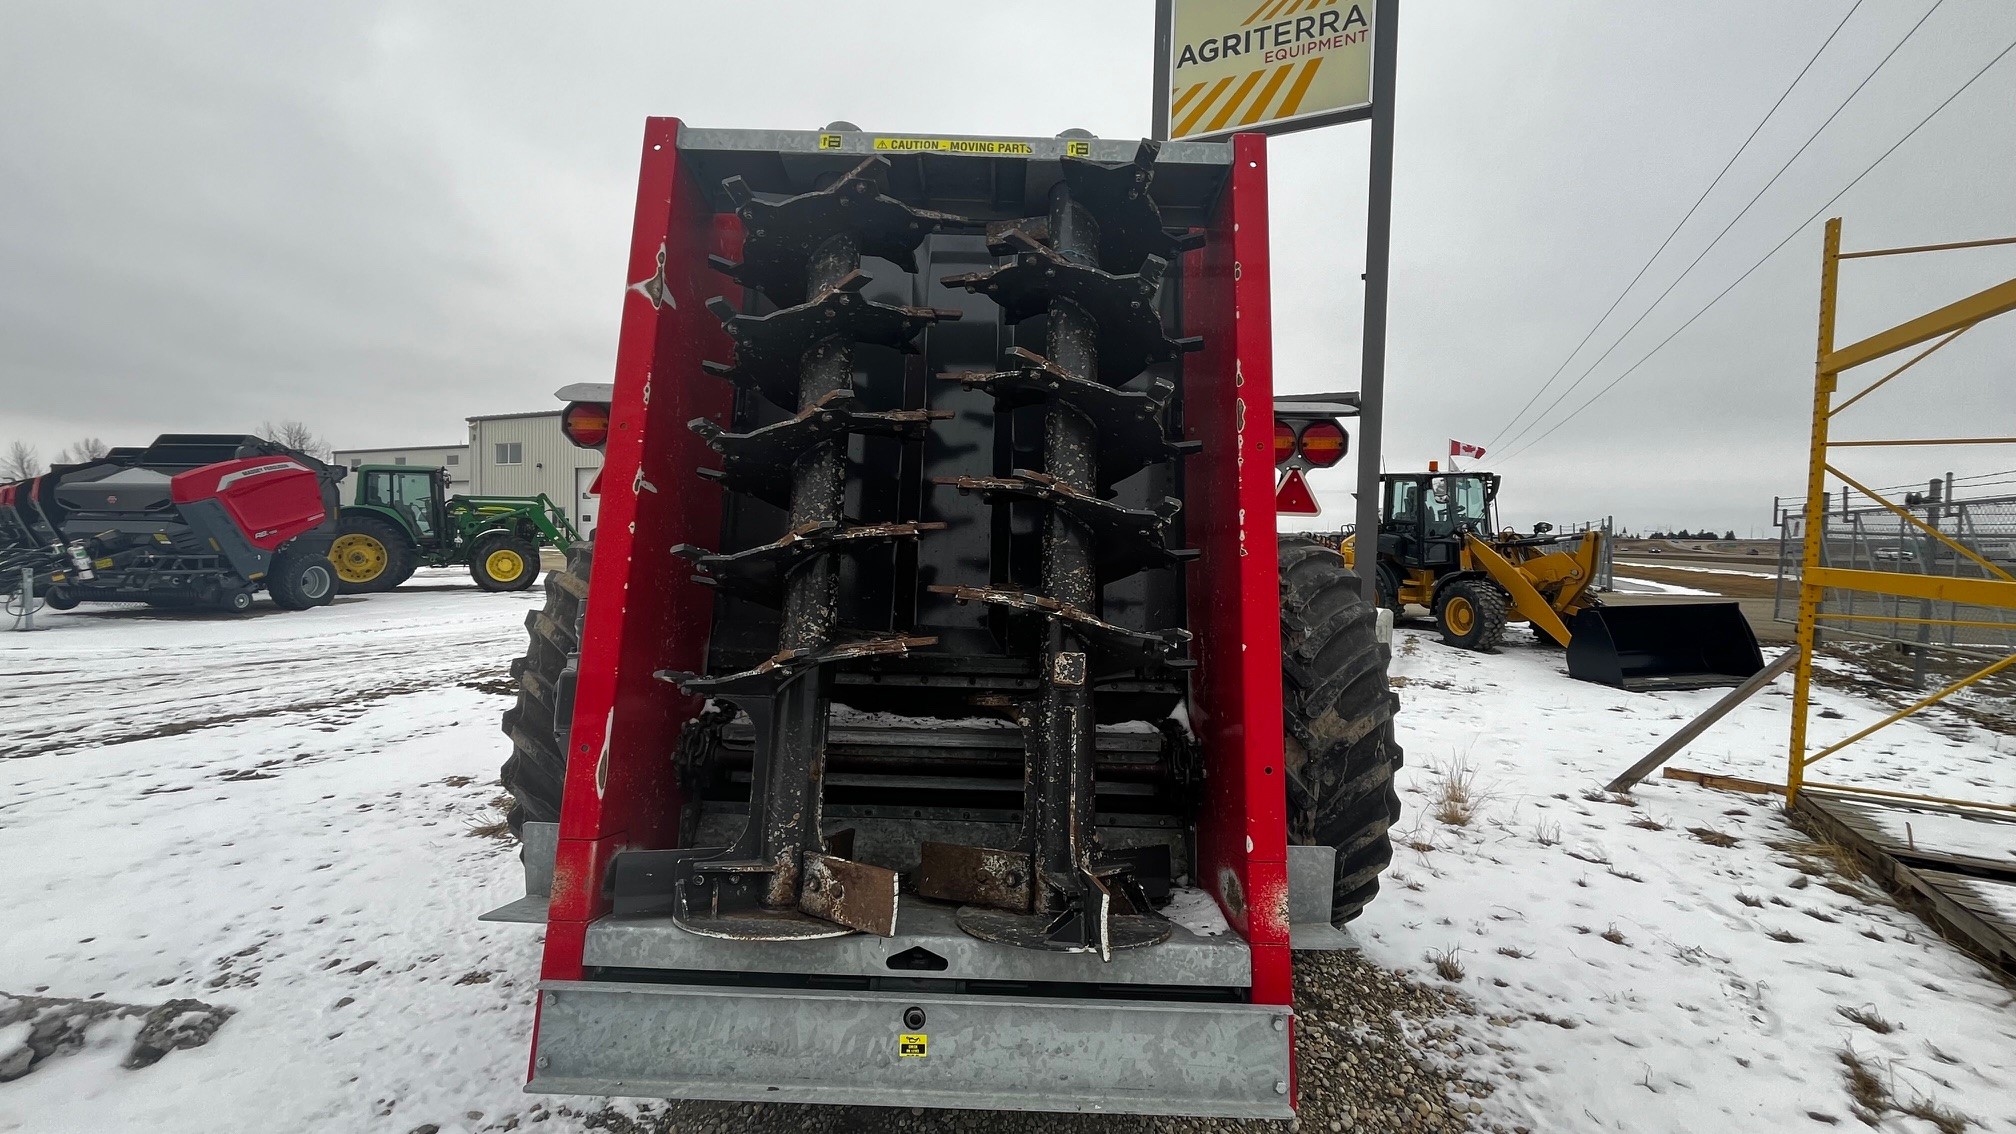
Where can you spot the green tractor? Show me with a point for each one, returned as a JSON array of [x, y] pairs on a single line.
[[401, 519]]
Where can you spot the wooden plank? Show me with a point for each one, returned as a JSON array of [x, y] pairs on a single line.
[[1723, 783], [1990, 936], [1968, 891], [1856, 813], [1943, 900]]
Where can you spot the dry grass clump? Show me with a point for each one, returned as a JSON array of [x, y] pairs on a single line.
[[1457, 797], [1868, 1017], [1872, 1095], [1446, 965]]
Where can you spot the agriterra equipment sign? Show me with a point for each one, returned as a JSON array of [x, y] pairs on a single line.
[[1263, 65]]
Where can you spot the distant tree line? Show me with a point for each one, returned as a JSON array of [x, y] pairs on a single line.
[[1683, 533], [22, 461]]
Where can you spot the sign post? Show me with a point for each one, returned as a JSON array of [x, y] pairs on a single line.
[[1275, 66], [1378, 240]]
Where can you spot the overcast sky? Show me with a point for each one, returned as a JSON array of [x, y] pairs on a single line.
[[382, 218]]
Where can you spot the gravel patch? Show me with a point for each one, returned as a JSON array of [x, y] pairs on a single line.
[[1378, 1053]]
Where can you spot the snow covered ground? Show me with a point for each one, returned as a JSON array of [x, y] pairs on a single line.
[[277, 813], [1672, 961]]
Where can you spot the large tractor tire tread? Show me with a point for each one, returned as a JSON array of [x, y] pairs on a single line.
[[400, 557], [1483, 627], [537, 768], [1338, 714]]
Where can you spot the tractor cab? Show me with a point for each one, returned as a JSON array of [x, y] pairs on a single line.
[[417, 497]]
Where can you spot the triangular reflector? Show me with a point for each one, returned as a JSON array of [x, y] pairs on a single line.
[[1293, 497]]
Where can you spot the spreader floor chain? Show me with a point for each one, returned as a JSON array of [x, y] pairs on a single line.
[[1059, 891], [783, 878]]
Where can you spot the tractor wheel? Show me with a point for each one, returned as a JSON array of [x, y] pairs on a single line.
[[371, 554], [1471, 613], [538, 724], [1338, 710], [301, 579], [59, 598], [504, 562], [1389, 592]]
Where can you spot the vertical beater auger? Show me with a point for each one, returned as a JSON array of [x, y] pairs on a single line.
[[781, 880], [1059, 891]]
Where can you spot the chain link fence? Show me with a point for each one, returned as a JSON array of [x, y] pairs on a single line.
[[1874, 538]]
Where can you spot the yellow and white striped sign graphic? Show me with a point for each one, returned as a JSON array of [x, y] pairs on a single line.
[[1245, 64]]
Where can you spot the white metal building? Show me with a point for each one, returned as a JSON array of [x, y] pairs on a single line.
[[454, 458], [524, 454]]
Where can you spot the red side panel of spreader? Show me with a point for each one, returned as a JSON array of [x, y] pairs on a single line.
[[271, 499], [1235, 609], [647, 614]]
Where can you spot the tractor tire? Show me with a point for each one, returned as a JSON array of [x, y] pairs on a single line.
[[1338, 712], [1471, 614], [1389, 592], [538, 723], [301, 579], [504, 561], [371, 554]]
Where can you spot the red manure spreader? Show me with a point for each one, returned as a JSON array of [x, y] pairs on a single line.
[[937, 719]]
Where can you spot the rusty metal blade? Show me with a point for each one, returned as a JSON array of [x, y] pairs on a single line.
[[848, 893], [981, 876]]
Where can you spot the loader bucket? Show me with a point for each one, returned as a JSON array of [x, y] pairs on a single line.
[[1663, 646]]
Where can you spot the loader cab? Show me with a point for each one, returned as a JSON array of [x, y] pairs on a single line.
[[1424, 515]]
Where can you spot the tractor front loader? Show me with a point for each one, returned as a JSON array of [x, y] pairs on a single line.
[[913, 733], [1439, 548], [401, 519]]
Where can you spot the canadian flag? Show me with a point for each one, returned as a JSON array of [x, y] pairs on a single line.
[[1459, 449]]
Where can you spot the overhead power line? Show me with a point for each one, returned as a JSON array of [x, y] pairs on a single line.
[[1775, 249], [1745, 211], [1691, 210]]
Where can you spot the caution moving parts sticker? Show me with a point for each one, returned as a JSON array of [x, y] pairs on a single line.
[[1247, 63], [981, 147]]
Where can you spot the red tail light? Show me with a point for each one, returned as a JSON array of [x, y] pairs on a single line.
[[1284, 441], [1323, 443], [586, 424]]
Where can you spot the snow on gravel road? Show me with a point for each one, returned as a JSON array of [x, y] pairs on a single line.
[[275, 814]]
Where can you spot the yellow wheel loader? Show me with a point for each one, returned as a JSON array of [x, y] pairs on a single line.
[[1439, 549]]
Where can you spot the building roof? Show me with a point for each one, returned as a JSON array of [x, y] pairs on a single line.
[[399, 448], [507, 416]]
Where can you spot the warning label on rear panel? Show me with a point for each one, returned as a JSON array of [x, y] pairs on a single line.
[[913, 1046], [981, 146]]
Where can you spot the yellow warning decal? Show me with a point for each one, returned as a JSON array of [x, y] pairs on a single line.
[[829, 141], [954, 146], [913, 1046], [1075, 147]]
